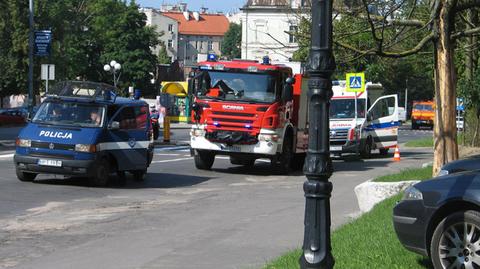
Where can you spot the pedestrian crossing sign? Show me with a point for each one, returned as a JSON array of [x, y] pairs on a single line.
[[355, 82]]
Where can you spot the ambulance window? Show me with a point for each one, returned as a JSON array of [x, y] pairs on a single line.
[[381, 108], [141, 116]]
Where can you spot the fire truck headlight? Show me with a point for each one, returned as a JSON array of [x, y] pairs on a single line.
[[197, 132], [268, 137]]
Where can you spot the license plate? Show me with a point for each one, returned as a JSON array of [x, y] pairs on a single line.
[[233, 148], [46, 162], [336, 148]]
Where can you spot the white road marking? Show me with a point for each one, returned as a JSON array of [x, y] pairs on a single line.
[[173, 160], [175, 148], [6, 156]]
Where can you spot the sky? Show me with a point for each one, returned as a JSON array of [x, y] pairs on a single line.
[[212, 5]]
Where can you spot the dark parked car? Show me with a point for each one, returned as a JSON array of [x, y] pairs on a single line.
[[467, 164], [440, 218]]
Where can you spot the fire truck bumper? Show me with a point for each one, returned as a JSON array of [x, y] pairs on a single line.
[[265, 148]]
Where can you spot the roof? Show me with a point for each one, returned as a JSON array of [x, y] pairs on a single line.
[[207, 25], [268, 3]]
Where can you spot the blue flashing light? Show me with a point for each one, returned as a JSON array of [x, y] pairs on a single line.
[[216, 123], [266, 60], [212, 57], [248, 126]]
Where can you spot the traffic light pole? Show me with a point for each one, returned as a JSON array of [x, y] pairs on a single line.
[[318, 165]]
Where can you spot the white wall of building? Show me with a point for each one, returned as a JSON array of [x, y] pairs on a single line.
[[264, 33], [167, 26]]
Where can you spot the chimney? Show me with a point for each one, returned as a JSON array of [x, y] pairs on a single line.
[[196, 15], [204, 9], [183, 6], [186, 15]]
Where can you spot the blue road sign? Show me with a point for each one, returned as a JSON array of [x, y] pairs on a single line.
[[460, 104], [43, 41]]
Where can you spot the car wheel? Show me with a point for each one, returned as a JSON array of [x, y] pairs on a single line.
[[25, 176], [455, 241], [139, 175], [204, 159], [282, 163], [102, 171]]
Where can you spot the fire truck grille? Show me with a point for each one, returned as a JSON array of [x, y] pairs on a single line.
[[238, 114], [232, 120], [231, 137]]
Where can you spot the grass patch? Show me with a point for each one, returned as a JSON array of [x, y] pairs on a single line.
[[426, 142], [407, 174], [367, 242]]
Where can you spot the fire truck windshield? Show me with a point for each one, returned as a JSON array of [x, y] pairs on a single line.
[[345, 108], [240, 86]]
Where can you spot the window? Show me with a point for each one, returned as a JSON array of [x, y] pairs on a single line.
[[131, 118], [210, 46], [170, 44], [292, 38], [170, 28]]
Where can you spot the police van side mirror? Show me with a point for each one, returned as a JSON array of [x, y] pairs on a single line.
[[114, 125]]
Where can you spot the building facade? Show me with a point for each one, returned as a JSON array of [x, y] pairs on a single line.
[[268, 27], [188, 36]]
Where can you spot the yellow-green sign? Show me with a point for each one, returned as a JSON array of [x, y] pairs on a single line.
[[355, 82]]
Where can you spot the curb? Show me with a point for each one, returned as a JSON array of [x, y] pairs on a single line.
[[371, 193]]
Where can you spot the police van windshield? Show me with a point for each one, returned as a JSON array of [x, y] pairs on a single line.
[[239, 86], [345, 108], [70, 114]]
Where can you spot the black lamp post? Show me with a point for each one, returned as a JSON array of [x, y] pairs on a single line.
[[318, 165]]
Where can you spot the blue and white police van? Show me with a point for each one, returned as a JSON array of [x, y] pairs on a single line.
[[85, 130]]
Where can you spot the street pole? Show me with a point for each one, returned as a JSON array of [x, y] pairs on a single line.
[[318, 165], [30, 58]]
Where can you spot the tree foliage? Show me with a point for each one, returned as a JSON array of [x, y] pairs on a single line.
[[231, 46], [86, 35]]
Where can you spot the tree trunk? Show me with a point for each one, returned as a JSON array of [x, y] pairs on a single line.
[[445, 129]]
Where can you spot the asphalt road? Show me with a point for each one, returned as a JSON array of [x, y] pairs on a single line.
[[179, 217]]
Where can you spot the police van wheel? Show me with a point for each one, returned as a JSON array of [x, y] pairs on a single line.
[[102, 171], [139, 175], [24, 176], [204, 159], [121, 178]]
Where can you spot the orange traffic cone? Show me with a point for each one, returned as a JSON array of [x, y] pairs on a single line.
[[396, 156]]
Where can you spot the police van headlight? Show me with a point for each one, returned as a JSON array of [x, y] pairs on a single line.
[[26, 143], [85, 148]]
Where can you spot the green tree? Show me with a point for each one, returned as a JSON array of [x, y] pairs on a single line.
[[163, 57], [231, 47]]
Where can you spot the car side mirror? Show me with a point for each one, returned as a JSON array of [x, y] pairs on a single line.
[[114, 125]]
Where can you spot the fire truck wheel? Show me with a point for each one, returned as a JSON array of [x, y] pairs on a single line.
[[298, 161], [204, 159], [249, 162], [367, 149], [282, 163]]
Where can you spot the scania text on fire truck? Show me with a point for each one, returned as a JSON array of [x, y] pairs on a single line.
[[246, 110]]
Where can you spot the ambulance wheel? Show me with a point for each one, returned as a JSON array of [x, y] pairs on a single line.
[[139, 175], [283, 162], [102, 171], [366, 152], [383, 151], [24, 176], [204, 159], [248, 162]]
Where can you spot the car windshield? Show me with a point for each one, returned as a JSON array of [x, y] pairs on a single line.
[[70, 114], [345, 108], [239, 86], [423, 107]]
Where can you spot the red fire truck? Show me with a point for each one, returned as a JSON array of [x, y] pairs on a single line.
[[247, 110]]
